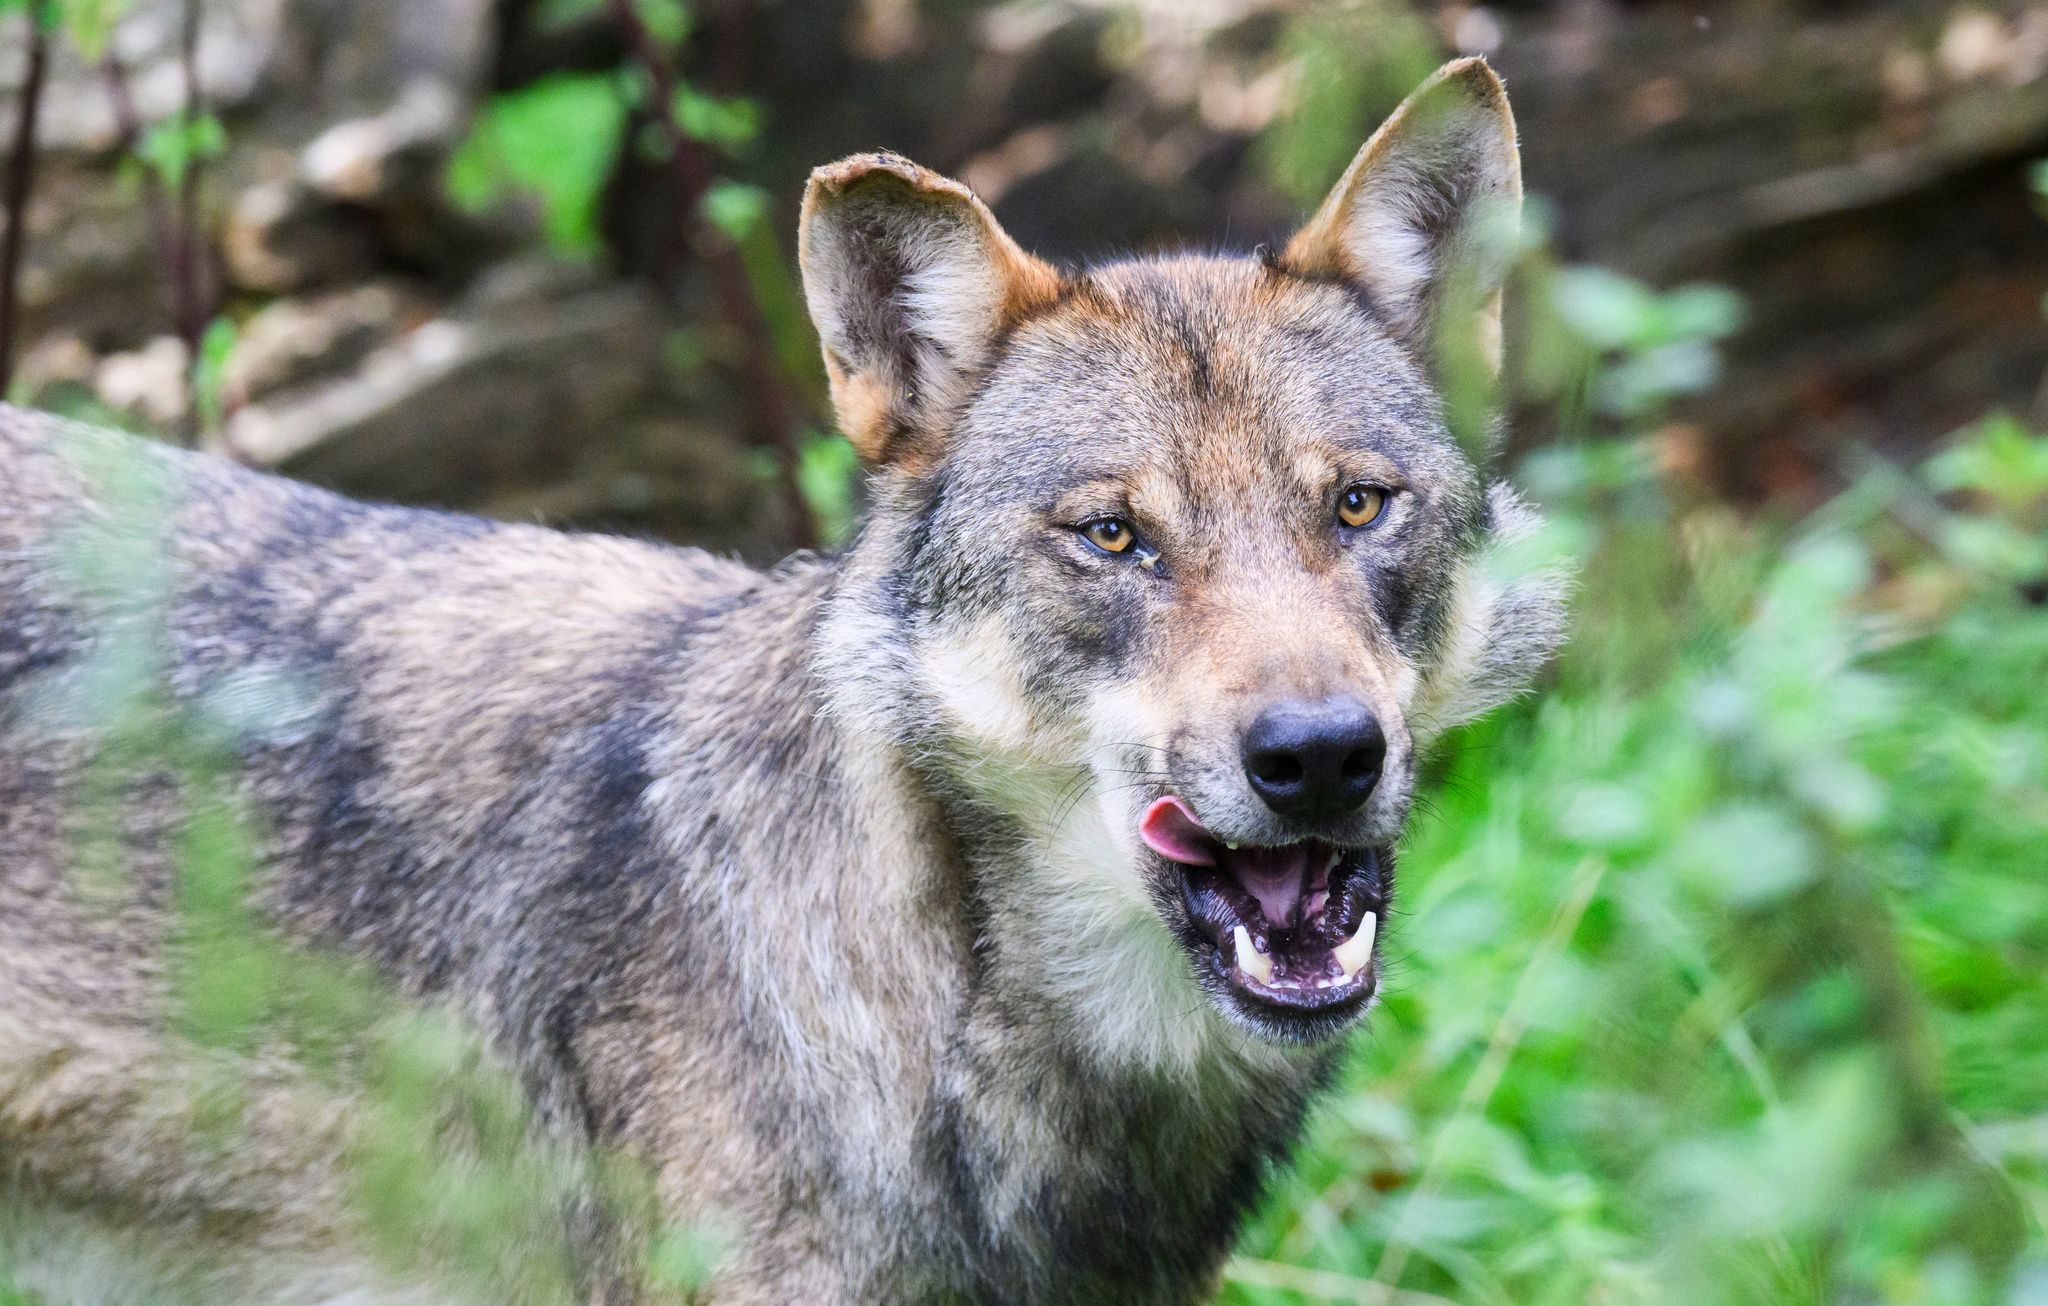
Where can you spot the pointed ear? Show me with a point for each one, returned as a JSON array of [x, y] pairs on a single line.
[[909, 281], [1413, 218]]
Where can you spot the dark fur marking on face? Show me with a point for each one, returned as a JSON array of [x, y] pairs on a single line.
[[1393, 596], [1360, 295]]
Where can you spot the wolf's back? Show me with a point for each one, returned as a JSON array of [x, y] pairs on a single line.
[[444, 728]]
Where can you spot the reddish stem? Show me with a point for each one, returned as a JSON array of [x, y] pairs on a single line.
[[21, 163], [192, 309]]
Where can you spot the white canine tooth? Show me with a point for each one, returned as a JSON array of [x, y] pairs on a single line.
[[1230, 844], [1250, 960], [1353, 954], [1335, 857]]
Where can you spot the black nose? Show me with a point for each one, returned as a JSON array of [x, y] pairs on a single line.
[[1315, 761]]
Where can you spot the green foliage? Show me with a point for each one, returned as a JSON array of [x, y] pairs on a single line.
[[174, 146], [1657, 346], [827, 471], [555, 141], [1353, 64], [737, 210], [727, 123], [90, 23], [210, 372], [49, 16], [1795, 1046], [668, 21]]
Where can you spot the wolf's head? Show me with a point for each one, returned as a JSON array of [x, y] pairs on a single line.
[[1175, 560]]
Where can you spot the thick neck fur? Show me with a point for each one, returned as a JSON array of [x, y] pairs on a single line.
[[1106, 1124]]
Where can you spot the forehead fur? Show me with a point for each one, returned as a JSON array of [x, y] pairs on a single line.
[[1159, 367]]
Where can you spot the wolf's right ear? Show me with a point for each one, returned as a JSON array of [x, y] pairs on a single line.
[[909, 281]]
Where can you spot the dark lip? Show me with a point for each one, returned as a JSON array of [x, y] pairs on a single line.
[[1306, 1007]]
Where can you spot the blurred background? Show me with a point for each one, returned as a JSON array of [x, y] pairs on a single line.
[[1723, 968]]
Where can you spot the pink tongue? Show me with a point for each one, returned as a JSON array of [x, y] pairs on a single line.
[[1274, 876], [1171, 830]]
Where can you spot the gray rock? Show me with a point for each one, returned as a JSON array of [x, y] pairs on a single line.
[[461, 403], [294, 342]]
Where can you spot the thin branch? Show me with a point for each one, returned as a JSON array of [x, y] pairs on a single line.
[[771, 416], [175, 233], [156, 206], [21, 163], [190, 298]]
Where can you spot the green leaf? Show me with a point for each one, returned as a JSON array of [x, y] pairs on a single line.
[[725, 123], [1700, 312], [1749, 853], [1605, 816], [667, 21], [174, 145], [214, 348], [555, 141], [827, 472], [90, 24], [737, 210], [1609, 310]]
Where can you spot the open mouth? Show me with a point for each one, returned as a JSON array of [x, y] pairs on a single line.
[[1290, 930]]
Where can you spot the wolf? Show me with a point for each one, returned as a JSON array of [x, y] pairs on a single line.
[[971, 915]]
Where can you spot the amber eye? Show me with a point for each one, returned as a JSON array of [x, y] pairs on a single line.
[[1362, 505], [1110, 534]]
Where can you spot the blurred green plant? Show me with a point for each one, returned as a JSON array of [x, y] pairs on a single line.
[[1351, 65], [554, 140], [828, 472], [669, 21], [209, 377], [174, 147], [1724, 965]]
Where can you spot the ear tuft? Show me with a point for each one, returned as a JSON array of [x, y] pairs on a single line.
[[909, 280], [1406, 220]]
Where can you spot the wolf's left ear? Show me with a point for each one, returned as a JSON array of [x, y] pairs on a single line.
[[909, 281], [1409, 220]]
